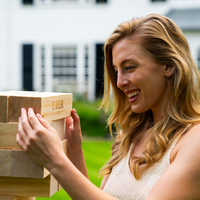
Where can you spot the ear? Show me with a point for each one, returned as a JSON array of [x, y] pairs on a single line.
[[169, 70]]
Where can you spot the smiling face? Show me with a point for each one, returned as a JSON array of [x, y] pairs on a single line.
[[139, 76]]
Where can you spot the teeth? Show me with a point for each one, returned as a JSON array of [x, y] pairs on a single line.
[[132, 94]]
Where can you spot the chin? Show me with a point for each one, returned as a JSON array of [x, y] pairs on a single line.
[[138, 110]]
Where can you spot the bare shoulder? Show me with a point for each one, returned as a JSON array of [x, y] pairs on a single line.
[[191, 138], [181, 180], [188, 149], [189, 141]]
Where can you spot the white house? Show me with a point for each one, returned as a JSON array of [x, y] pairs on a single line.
[[56, 45]]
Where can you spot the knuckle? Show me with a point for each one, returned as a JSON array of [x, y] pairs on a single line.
[[23, 123], [38, 132], [31, 140], [30, 117], [20, 132]]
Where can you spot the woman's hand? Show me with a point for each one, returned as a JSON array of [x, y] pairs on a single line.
[[39, 139]]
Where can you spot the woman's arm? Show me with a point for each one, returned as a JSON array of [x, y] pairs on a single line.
[[43, 145]]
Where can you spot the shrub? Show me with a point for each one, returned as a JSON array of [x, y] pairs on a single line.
[[93, 121]]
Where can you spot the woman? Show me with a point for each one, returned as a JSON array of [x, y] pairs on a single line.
[[155, 86]]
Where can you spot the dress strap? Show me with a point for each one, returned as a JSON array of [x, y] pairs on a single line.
[[177, 139], [168, 157]]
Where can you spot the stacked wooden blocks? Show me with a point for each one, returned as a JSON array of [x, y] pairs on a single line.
[[20, 177]]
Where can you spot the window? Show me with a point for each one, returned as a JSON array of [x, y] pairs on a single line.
[[27, 2], [43, 67], [64, 68]]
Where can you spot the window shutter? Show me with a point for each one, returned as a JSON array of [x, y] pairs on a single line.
[[27, 2], [101, 1]]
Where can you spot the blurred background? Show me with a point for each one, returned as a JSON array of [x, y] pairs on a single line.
[[57, 45]]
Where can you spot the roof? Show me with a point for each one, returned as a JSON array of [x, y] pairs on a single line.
[[186, 19]]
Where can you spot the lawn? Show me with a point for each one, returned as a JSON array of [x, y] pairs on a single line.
[[97, 152]]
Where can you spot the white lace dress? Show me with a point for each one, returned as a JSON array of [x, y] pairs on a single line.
[[123, 185]]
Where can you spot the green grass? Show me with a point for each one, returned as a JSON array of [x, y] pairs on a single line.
[[97, 152]]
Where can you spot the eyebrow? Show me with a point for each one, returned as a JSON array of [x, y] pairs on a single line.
[[126, 61]]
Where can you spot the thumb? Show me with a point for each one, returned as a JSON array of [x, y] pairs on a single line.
[[44, 122]]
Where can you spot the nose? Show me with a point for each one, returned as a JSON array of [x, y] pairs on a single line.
[[122, 81]]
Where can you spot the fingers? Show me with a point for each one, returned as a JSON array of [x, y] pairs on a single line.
[[33, 120], [68, 122], [26, 126], [44, 122], [24, 122], [20, 142], [76, 120], [21, 137]]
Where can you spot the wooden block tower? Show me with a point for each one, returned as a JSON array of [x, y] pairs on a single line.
[[20, 177]]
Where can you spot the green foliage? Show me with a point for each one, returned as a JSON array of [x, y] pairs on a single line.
[[93, 121], [97, 152]]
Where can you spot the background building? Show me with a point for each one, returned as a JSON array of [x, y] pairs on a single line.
[[56, 45]]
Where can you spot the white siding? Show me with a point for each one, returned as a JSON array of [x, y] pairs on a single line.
[[79, 23]]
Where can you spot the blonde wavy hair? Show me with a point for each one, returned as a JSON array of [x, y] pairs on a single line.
[[162, 39]]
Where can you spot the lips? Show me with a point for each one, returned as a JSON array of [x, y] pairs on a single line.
[[132, 95]]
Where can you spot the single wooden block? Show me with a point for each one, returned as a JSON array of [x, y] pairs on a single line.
[[8, 133], [51, 106], [9, 130], [28, 187], [4, 96], [16, 163]]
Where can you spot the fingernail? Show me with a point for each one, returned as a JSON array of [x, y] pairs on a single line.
[[23, 109], [38, 115], [74, 110]]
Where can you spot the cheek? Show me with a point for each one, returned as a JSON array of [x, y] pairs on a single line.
[[151, 86]]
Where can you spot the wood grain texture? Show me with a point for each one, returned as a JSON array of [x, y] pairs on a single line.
[[51, 106], [59, 126], [24, 198], [28, 187], [8, 133], [9, 130], [16, 198], [4, 96], [7, 197], [5, 162], [16, 163], [3, 108]]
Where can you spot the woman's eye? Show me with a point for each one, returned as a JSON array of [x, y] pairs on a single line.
[[116, 72], [129, 67]]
